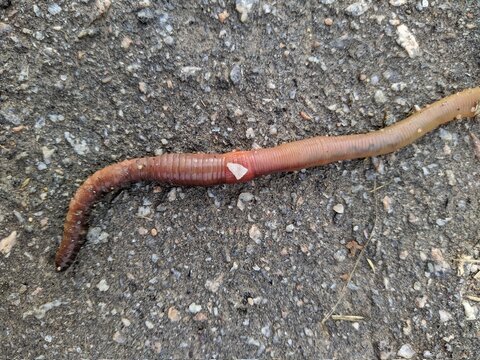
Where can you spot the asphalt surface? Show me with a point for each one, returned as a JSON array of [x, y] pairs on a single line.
[[252, 270]]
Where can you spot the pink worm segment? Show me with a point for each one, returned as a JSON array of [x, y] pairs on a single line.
[[242, 166]]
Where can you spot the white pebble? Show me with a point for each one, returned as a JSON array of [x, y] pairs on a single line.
[[380, 97], [144, 211], [47, 154], [80, 146], [194, 308], [406, 40], [54, 9], [358, 8], [118, 337], [149, 324], [444, 316], [339, 209], [172, 195], [452, 181], [7, 243], [398, 86], [470, 311], [397, 2], [406, 351], [422, 4], [102, 285], [445, 135], [244, 7], [255, 234]]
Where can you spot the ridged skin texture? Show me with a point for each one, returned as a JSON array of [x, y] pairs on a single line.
[[242, 166]]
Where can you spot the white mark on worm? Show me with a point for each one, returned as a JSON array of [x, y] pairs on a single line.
[[237, 170]]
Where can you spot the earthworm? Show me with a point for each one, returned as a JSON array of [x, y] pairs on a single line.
[[242, 166]]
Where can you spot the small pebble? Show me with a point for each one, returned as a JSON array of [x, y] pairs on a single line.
[[102, 7], [397, 2], [398, 86], [214, 285], [250, 133], [452, 181], [340, 255], [358, 8], [243, 198], [145, 15], [194, 308], [328, 22], [223, 16], [421, 4], [387, 204], [142, 87], [142, 231], [201, 316], [439, 260], [406, 39], [271, 85], [7, 243], [444, 316], [413, 219], [470, 311], [255, 234], [102, 285], [406, 351], [96, 235], [244, 7], [79, 146], [38, 12], [308, 332], [41, 311], [149, 324], [47, 154], [144, 211], [445, 134], [172, 195], [421, 301], [380, 97], [41, 166], [173, 314], [442, 222], [54, 9], [339, 208], [407, 329], [118, 337], [189, 70], [126, 42]]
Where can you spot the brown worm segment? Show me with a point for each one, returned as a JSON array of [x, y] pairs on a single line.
[[242, 166]]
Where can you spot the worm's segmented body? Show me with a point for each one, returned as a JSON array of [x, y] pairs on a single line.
[[242, 166]]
